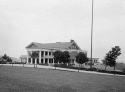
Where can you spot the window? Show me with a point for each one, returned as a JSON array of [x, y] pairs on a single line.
[[42, 53], [46, 53], [50, 60]]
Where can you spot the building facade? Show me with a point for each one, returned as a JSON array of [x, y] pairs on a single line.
[[23, 58], [95, 61], [45, 52]]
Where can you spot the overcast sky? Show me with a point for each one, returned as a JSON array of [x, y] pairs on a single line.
[[48, 21]]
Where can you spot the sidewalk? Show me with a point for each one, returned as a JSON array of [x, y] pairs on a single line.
[[58, 68]]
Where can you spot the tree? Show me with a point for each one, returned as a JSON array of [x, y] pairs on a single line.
[[111, 56], [7, 58], [34, 54], [4, 58], [65, 57], [1, 60], [57, 57], [105, 63], [81, 58], [61, 57]]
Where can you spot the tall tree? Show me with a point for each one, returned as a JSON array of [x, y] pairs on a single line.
[[61, 57], [104, 61], [33, 55], [81, 58], [65, 57], [111, 56], [57, 57]]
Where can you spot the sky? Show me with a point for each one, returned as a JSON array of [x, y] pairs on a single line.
[[50, 21]]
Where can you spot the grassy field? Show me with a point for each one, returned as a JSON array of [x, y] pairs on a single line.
[[23, 79]]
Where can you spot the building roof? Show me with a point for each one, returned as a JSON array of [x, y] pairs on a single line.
[[57, 45], [23, 56]]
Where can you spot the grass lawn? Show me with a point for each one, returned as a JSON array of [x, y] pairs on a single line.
[[23, 79]]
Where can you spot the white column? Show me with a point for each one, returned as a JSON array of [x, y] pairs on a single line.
[[43, 60], [31, 60], [43, 53], [27, 57], [53, 60], [43, 56], [48, 61], [35, 60], [39, 57], [48, 53]]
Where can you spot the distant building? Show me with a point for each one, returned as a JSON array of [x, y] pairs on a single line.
[[46, 51], [95, 61], [23, 58]]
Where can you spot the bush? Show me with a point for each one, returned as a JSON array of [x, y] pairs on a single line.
[[112, 72], [63, 65], [123, 70], [11, 62], [16, 62], [3, 62], [43, 64], [19, 62], [91, 69]]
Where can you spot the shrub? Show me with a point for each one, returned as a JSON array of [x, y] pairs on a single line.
[[3, 62], [123, 70], [112, 72], [91, 69], [43, 64], [11, 62]]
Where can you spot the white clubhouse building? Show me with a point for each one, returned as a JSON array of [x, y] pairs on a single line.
[[46, 52]]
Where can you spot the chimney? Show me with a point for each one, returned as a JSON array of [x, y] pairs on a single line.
[[71, 41]]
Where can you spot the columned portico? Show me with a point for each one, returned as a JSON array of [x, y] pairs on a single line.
[[45, 51], [44, 55]]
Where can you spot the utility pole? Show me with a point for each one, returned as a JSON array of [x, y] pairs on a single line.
[[91, 35]]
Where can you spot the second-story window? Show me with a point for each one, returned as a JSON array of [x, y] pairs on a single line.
[[46, 53], [42, 53]]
